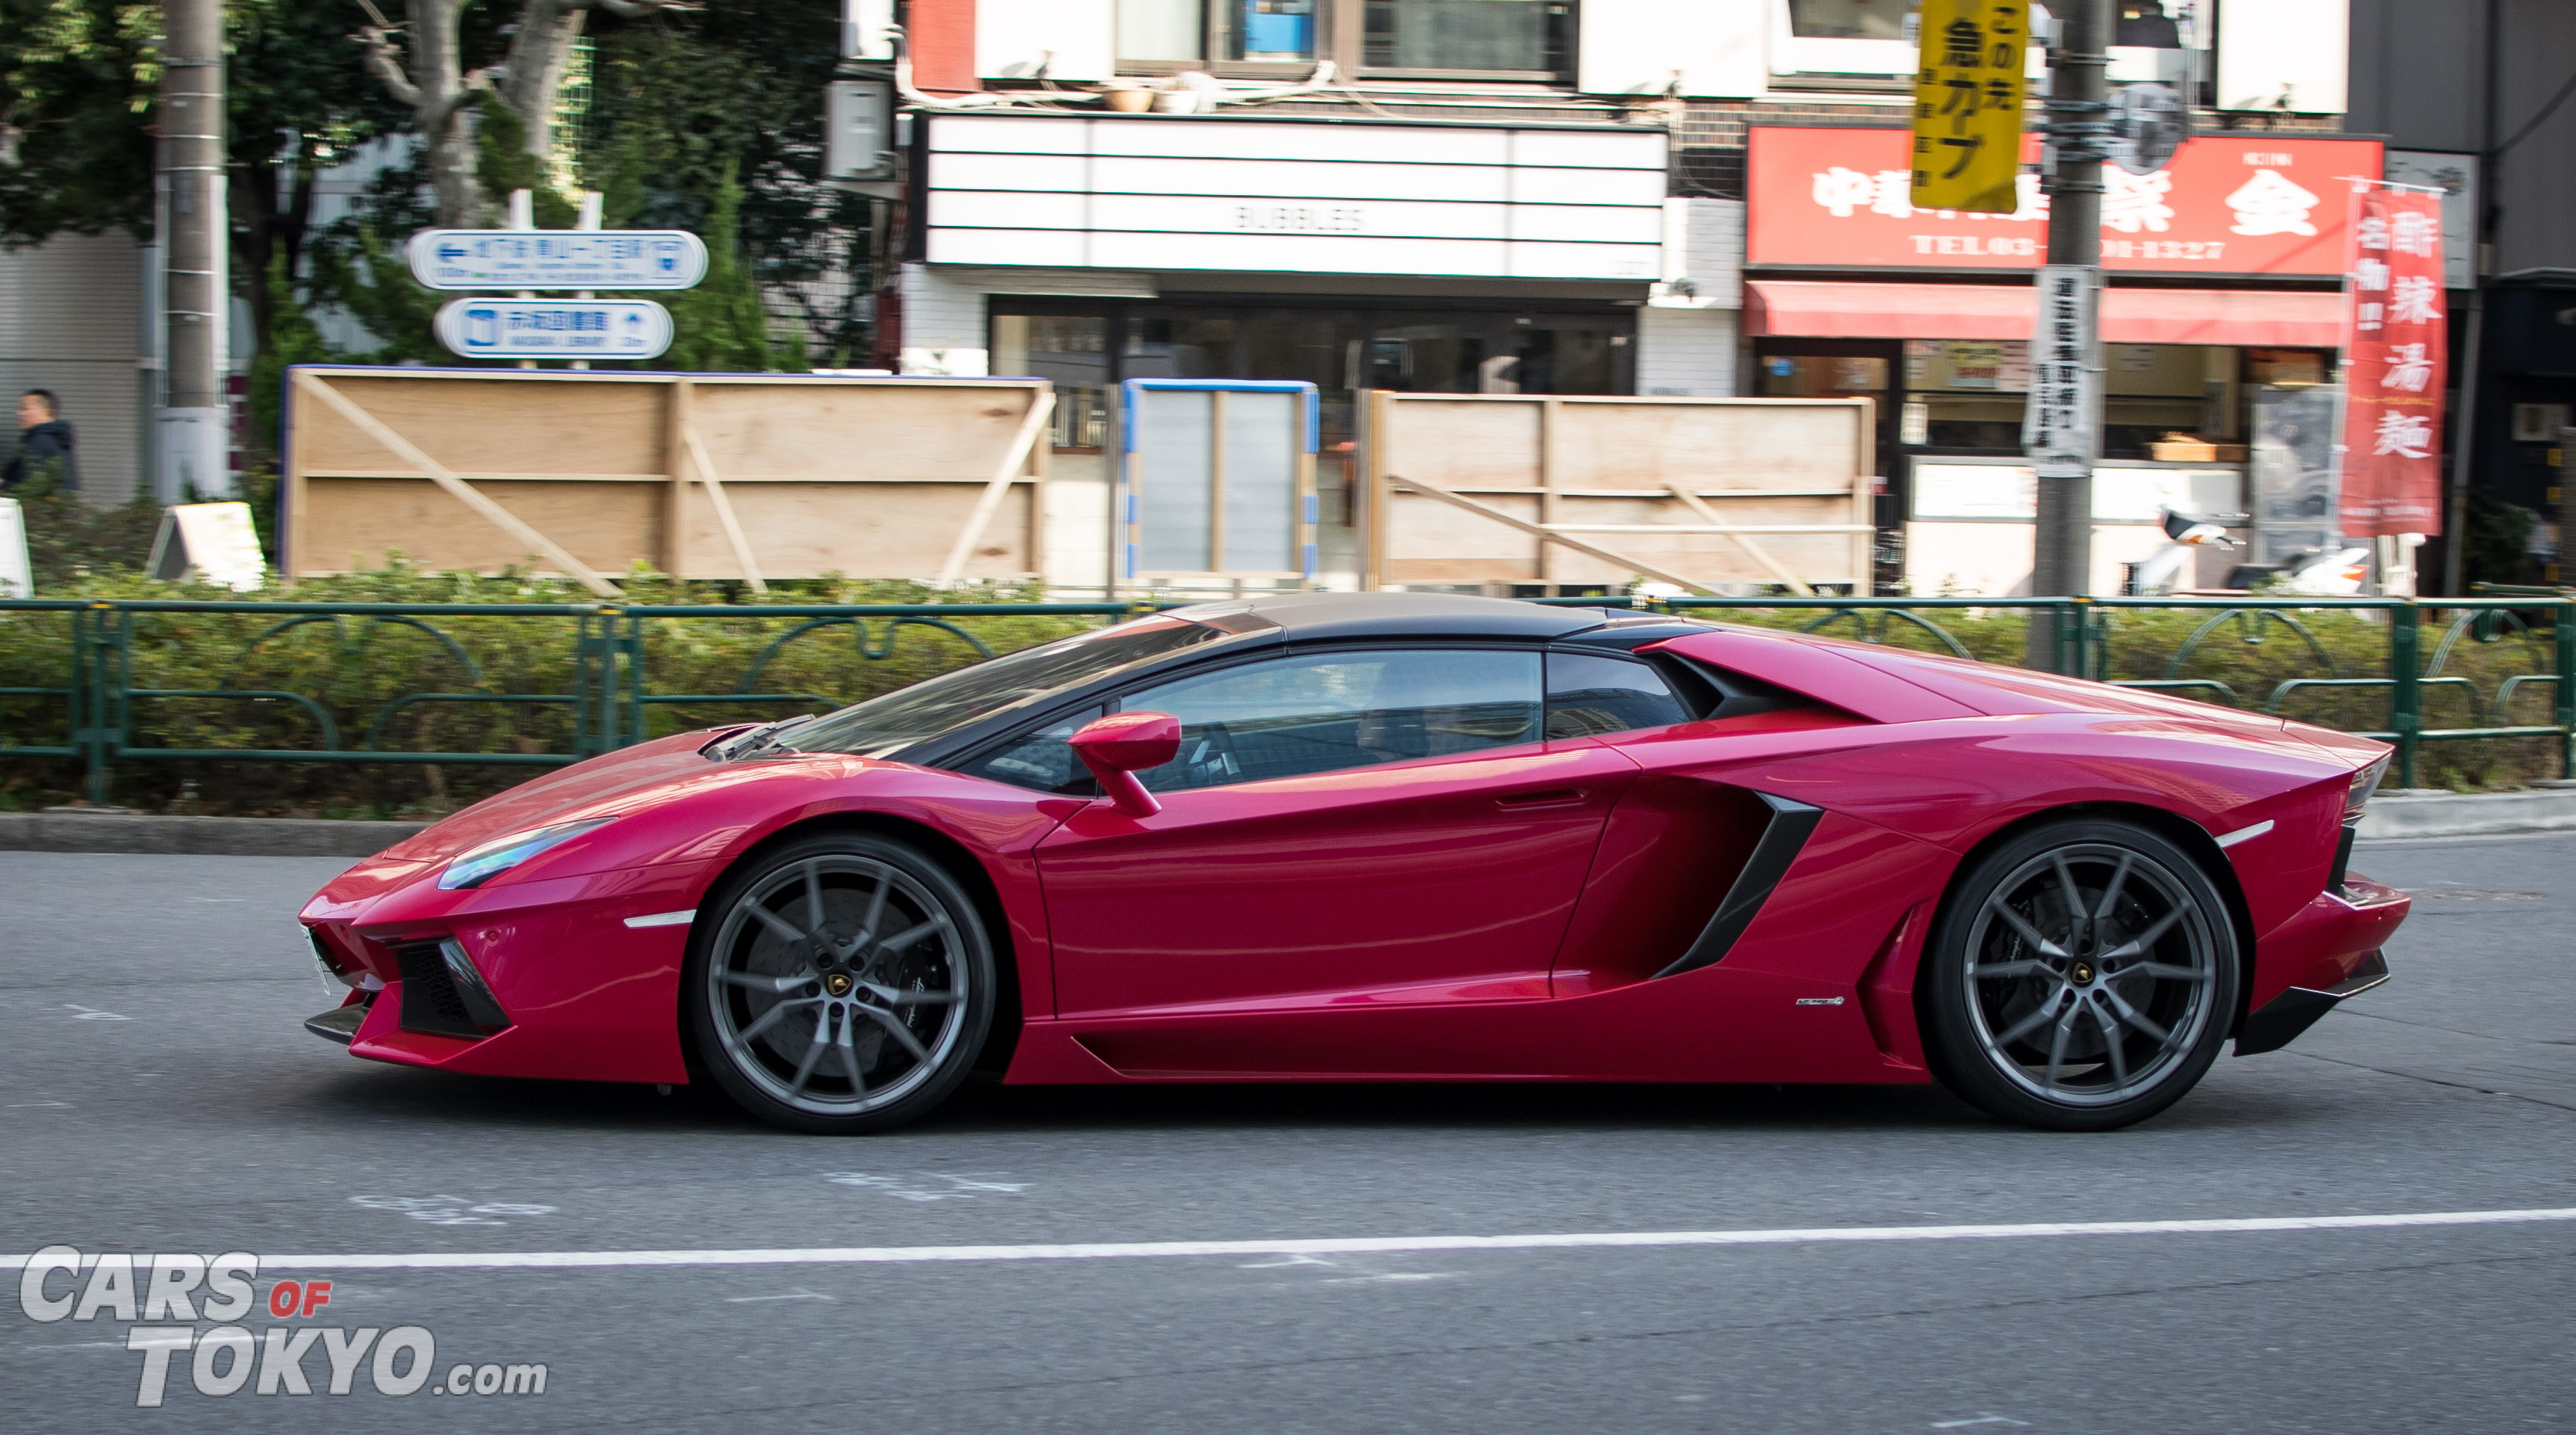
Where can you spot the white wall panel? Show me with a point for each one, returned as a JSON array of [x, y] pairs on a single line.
[[1633, 47], [1009, 171], [1004, 246], [1217, 194], [1044, 39], [2268, 49], [1585, 261], [1297, 179], [1589, 149], [1301, 253], [1018, 134], [1588, 186], [989, 209], [1195, 136], [1376, 219], [1584, 223]]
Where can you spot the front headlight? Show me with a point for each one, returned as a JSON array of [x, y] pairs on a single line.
[[500, 855]]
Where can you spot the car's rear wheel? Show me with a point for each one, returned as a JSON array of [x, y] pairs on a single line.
[[2082, 977], [841, 984]]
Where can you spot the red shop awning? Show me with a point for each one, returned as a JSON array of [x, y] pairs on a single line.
[[2266, 317]]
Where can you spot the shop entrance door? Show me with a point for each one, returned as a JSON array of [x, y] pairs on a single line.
[[1788, 368]]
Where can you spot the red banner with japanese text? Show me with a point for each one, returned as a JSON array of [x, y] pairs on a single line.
[[2396, 347]]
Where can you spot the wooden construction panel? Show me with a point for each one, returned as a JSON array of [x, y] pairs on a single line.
[[1585, 490], [372, 520], [721, 476]]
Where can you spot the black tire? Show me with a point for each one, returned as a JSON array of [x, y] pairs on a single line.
[[2070, 1021], [867, 1028]]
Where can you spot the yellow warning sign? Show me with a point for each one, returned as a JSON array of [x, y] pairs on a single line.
[[1967, 104]]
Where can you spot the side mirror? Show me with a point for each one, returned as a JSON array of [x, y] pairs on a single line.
[[1121, 745]]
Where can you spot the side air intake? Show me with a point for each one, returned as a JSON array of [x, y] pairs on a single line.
[[1783, 837]]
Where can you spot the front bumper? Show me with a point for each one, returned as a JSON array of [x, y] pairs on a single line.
[[569, 978]]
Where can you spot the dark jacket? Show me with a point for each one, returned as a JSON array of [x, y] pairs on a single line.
[[48, 444]]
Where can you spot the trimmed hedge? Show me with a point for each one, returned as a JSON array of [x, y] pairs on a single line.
[[353, 667]]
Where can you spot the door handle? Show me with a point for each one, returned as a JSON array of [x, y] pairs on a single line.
[[1552, 797]]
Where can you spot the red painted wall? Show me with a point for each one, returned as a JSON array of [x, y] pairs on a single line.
[[942, 35]]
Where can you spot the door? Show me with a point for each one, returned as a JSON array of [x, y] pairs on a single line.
[[1376, 825]]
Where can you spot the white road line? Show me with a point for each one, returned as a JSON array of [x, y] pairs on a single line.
[[1371, 1245]]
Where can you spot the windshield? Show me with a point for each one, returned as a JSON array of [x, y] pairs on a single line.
[[942, 704]]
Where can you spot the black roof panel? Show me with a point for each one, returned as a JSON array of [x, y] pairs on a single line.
[[1307, 617]]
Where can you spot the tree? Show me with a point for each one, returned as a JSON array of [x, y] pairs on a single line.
[[735, 87], [76, 89], [439, 89], [298, 108]]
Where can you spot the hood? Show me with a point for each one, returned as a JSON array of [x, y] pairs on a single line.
[[56, 430], [599, 787]]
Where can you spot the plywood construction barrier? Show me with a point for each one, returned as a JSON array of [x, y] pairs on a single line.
[[741, 476], [1507, 488]]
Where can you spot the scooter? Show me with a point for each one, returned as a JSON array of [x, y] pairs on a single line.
[[2162, 571]]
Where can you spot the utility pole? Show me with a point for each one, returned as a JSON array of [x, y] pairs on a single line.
[[2078, 128], [195, 421]]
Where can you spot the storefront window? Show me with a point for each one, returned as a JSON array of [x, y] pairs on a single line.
[[1965, 393], [1201, 30], [1823, 376], [1072, 352], [2183, 402], [1527, 36], [1854, 19]]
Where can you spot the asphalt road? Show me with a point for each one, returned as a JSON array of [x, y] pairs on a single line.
[[160, 1097]]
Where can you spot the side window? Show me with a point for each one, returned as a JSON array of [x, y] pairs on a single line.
[[1042, 760], [1587, 694], [1288, 717]]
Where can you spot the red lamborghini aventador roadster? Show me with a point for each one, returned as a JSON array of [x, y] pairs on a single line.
[[1388, 837]]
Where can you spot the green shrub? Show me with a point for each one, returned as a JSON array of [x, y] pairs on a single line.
[[352, 668]]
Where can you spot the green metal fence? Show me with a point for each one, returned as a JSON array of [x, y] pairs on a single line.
[[2369, 665]]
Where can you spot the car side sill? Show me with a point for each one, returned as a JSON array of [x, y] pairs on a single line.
[[1783, 837]]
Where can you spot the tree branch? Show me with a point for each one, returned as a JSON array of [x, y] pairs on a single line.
[[382, 64], [478, 83]]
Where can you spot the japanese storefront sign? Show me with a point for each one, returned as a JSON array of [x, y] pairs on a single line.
[[2065, 373], [1967, 105], [2395, 348], [1834, 198]]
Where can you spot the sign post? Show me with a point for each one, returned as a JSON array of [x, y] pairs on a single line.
[[2063, 549], [580, 328], [556, 259]]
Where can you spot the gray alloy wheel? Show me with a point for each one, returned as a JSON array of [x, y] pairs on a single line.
[[841, 984], [2083, 977]]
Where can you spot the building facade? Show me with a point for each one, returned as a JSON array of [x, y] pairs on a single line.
[[1664, 197], [2473, 95]]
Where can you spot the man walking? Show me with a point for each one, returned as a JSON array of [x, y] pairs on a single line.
[[44, 445]]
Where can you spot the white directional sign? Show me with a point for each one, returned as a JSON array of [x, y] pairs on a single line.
[[555, 328], [557, 258]]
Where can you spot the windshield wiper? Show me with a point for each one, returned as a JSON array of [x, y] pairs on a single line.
[[763, 738]]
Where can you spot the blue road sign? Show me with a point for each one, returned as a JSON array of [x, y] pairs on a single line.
[[555, 328], [557, 258]]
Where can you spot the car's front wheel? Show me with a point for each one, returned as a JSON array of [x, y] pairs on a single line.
[[841, 984], [2082, 977]]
